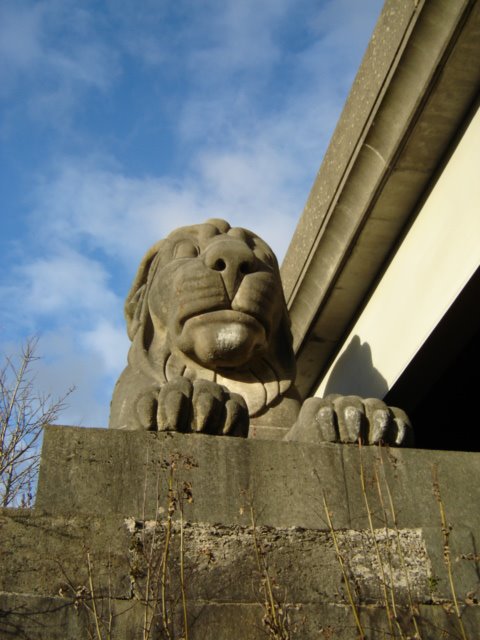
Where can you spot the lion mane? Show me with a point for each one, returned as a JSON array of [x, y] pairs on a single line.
[[207, 304]]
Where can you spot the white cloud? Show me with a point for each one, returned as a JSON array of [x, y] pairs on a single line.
[[110, 342], [64, 283], [83, 202], [103, 210], [307, 81], [63, 365], [238, 37]]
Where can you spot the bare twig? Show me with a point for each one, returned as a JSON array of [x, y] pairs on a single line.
[[276, 617], [182, 577], [341, 562], [393, 514], [171, 506], [446, 528], [23, 415], [92, 594], [157, 549], [375, 543]]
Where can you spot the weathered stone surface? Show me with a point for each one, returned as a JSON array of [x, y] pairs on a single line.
[[38, 618], [107, 472], [212, 349], [48, 555], [51, 556], [98, 471], [102, 521], [211, 342], [58, 618]]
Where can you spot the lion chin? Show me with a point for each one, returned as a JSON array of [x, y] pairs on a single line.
[[222, 339], [211, 343]]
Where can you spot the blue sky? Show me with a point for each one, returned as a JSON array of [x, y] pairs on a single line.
[[121, 120]]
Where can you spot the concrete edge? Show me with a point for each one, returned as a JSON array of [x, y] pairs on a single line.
[[387, 120]]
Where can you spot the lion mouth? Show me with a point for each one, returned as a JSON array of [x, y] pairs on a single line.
[[222, 338], [226, 317]]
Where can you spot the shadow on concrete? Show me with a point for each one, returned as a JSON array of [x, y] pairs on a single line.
[[355, 374]]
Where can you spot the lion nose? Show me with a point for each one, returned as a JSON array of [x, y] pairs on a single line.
[[233, 260]]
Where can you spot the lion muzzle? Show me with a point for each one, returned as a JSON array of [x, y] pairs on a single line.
[[225, 339]]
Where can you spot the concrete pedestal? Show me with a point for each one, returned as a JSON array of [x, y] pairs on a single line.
[[100, 531]]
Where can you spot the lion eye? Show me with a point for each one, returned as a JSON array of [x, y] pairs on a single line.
[[185, 249]]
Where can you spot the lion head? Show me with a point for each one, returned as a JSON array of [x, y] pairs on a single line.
[[207, 304]]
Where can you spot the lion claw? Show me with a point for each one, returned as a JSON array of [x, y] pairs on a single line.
[[173, 405], [201, 406], [350, 419]]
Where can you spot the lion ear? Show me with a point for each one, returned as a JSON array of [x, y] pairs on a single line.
[[136, 302]]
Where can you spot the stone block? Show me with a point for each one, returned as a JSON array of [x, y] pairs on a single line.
[[101, 532]]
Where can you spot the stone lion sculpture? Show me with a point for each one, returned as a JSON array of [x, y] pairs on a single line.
[[212, 349]]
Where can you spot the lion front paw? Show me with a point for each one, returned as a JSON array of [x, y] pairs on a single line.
[[351, 419], [201, 406]]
